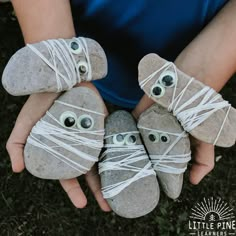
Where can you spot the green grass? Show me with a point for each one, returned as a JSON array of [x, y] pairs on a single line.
[[30, 206]]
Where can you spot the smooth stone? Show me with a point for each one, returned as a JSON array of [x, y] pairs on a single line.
[[208, 130], [41, 163], [142, 196], [27, 73], [158, 118]]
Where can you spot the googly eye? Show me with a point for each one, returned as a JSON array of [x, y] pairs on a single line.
[[168, 79], [130, 139], [165, 138], [118, 139], [83, 67], [153, 137], [68, 119], [75, 47], [85, 122], [157, 90]]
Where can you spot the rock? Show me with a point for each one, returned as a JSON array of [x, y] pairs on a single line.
[[142, 195], [160, 131], [159, 79], [28, 73], [57, 145]]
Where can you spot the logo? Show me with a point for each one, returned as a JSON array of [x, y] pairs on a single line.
[[212, 217]]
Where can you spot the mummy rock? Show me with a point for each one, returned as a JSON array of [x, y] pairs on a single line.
[[67, 141], [201, 111], [128, 181], [54, 66], [168, 147]]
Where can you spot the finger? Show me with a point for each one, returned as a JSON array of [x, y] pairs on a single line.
[[16, 154], [32, 111], [94, 183], [74, 192], [204, 161], [143, 105]]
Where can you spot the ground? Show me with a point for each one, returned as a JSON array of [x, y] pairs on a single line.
[[30, 206]]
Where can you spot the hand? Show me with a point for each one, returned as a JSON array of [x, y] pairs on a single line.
[[204, 160], [76, 194], [32, 111]]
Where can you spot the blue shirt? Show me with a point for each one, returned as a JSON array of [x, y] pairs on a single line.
[[130, 29]]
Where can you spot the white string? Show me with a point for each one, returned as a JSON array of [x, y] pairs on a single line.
[[192, 117], [66, 138], [124, 159], [162, 162], [62, 61]]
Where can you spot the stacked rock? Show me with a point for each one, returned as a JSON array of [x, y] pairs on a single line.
[[54, 66], [67, 141], [168, 147], [128, 180]]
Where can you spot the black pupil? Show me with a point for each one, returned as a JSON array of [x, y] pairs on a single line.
[[157, 90], [164, 139], [152, 137], [69, 121], [132, 139], [119, 138], [167, 80], [82, 69], [86, 123], [74, 45]]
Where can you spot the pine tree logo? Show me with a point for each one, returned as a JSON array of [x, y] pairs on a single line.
[[211, 210], [212, 216]]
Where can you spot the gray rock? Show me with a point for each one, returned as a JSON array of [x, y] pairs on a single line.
[[209, 129], [165, 125], [140, 197], [27, 73], [65, 163]]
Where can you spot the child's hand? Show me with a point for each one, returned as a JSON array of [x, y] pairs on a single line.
[[204, 160], [33, 110]]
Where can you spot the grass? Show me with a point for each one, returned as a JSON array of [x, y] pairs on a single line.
[[30, 206]]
